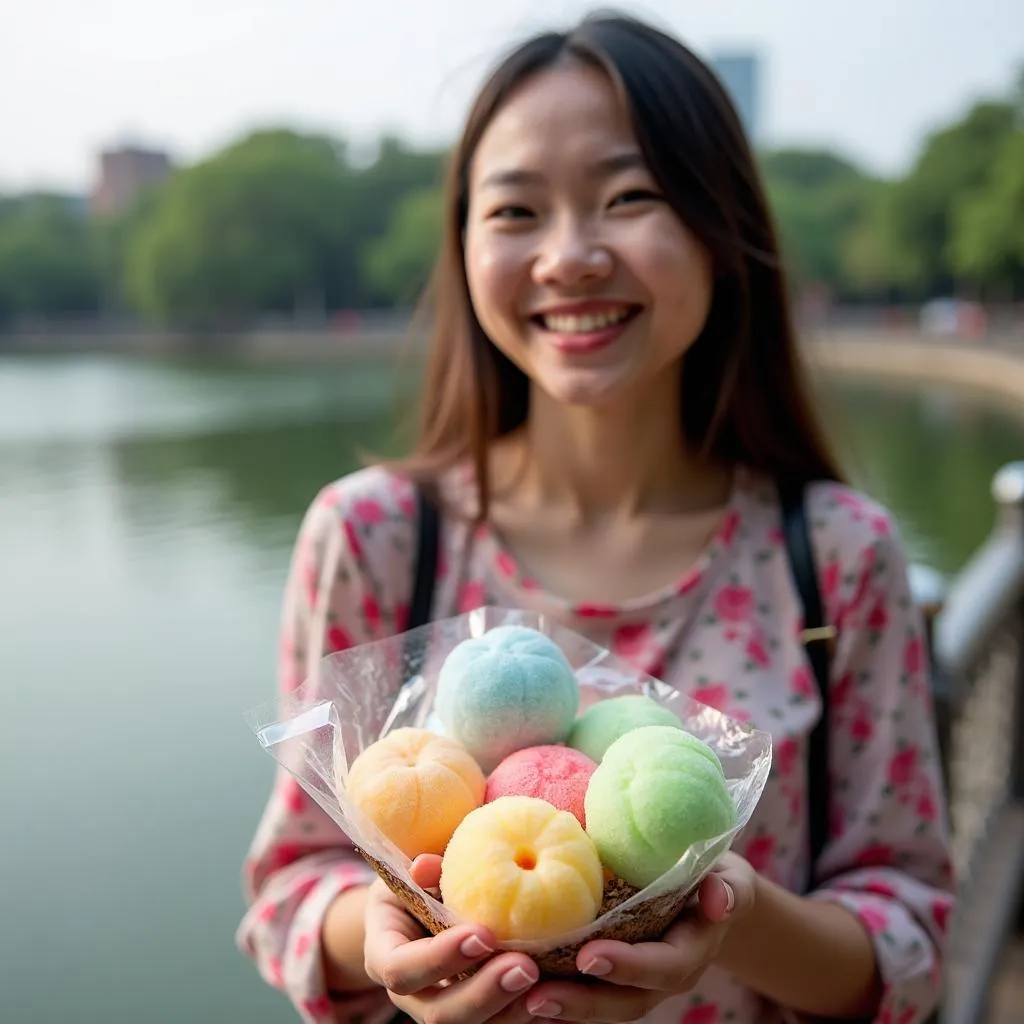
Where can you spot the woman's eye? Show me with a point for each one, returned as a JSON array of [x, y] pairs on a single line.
[[636, 195], [510, 213]]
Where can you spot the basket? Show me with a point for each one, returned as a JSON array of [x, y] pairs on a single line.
[[356, 696]]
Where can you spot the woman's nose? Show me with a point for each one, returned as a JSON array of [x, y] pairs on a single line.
[[570, 255]]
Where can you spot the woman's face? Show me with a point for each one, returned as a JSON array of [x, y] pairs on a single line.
[[578, 270]]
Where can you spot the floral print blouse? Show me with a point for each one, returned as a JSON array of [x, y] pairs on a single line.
[[728, 633]]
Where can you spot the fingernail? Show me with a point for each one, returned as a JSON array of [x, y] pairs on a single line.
[[598, 967], [474, 947], [516, 980], [730, 898], [545, 1010]]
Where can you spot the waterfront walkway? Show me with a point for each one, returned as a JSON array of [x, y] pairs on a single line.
[[993, 365]]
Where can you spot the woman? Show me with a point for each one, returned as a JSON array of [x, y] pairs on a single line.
[[612, 399]]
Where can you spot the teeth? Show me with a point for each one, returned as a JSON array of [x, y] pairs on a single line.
[[571, 324]]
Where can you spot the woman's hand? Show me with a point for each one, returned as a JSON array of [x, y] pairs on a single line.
[[636, 978], [416, 971]]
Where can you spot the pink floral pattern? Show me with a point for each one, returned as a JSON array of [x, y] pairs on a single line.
[[727, 634]]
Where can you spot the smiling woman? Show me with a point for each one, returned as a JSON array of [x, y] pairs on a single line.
[[613, 408], [604, 175], [579, 269]]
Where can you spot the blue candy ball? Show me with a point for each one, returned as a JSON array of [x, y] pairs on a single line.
[[509, 689]]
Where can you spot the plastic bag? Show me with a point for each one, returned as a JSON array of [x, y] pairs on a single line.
[[356, 696]]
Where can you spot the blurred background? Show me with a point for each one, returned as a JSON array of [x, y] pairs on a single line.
[[214, 219]]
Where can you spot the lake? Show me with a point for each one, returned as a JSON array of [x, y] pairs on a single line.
[[147, 513]]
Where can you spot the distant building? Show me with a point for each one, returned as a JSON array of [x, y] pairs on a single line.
[[123, 173], [741, 75]]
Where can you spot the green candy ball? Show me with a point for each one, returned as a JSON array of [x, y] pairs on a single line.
[[603, 723], [657, 791]]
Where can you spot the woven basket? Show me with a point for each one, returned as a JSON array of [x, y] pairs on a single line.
[[645, 922]]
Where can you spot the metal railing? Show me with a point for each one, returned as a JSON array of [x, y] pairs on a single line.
[[977, 640]]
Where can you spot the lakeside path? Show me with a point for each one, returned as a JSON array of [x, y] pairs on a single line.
[[994, 367]]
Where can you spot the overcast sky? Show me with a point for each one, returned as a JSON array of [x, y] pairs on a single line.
[[870, 77]]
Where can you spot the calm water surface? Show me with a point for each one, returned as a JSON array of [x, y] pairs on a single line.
[[147, 513]]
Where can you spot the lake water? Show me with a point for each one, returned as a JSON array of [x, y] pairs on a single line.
[[147, 512]]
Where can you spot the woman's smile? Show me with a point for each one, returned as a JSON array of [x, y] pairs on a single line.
[[579, 328]]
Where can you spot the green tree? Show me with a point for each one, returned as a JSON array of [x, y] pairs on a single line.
[[954, 163], [394, 209], [263, 225], [398, 264], [987, 244], [814, 169], [48, 262], [874, 262], [820, 200], [396, 171], [113, 237]]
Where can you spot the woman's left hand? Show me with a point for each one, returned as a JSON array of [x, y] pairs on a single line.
[[633, 979]]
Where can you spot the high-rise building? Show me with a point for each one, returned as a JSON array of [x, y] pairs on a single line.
[[123, 173], [740, 72]]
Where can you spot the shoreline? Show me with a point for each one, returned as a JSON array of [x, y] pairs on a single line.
[[977, 368], [992, 367]]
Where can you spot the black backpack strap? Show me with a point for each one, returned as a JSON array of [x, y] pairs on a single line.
[[817, 637], [428, 528]]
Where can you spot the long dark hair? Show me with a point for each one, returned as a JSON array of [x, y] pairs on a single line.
[[744, 394]]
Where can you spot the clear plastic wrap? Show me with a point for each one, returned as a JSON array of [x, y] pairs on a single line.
[[356, 696]]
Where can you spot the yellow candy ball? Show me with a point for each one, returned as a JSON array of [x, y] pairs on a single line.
[[524, 869]]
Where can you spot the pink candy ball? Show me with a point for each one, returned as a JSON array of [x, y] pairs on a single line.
[[556, 774]]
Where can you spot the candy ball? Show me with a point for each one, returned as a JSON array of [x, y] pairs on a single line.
[[657, 791], [522, 868], [415, 787], [508, 689], [603, 723], [556, 774]]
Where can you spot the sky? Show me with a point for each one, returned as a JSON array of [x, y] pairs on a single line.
[[869, 78]]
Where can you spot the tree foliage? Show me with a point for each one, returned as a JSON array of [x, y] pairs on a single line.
[[398, 263], [820, 199], [281, 221], [987, 243], [954, 163], [48, 261], [262, 226]]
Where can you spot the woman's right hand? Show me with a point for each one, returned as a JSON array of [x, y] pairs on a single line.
[[416, 970]]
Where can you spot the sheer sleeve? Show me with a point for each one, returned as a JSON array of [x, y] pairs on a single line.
[[299, 860], [888, 856]]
